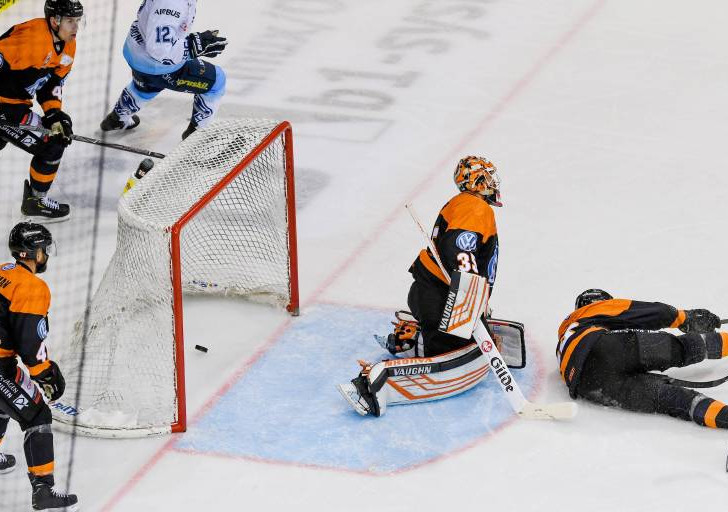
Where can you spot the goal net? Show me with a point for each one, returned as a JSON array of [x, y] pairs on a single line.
[[216, 216]]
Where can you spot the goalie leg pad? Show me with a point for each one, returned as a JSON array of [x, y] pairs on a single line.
[[415, 380], [407, 381]]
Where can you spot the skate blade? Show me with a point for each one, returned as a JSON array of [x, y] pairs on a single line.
[[70, 508], [351, 395], [45, 220]]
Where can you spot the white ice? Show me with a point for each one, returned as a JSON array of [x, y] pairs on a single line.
[[607, 122]]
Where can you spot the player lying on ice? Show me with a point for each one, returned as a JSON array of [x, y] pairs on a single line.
[[433, 364], [608, 348]]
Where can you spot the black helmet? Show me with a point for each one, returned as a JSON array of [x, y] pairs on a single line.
[[589, 296], [25, 240], [69, 8]]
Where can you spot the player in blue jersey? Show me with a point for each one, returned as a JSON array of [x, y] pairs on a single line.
[[164, 54]]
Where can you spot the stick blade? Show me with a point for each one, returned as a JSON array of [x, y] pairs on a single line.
[[555, 411]]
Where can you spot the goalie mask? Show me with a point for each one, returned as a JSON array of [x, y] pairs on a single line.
[[590, 296], [477, 174]]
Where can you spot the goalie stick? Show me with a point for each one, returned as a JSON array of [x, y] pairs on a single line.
[[87, 140], [520, 404]]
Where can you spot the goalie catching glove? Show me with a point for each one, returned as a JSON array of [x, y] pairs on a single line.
[[51, 381], [699, 321], [205, 44]]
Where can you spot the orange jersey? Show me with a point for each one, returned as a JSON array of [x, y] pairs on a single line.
[[584, 327], [24, 302], [33, 65], [466, 239]]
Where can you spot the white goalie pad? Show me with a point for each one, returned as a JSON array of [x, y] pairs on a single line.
[[422, 379], [465, 304]]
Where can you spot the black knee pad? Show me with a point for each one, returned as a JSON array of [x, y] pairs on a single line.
[[50, 152], [44, 417], [693, 346]]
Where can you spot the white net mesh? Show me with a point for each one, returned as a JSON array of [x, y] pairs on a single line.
[[124, 376]]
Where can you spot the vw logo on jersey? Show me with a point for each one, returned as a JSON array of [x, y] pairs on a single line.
[[493, 265], [42, 328], [8, 266], [21, 402], [467, 241]]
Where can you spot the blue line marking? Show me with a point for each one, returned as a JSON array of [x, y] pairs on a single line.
[[286, 408]]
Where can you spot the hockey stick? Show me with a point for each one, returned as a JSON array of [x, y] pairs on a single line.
[[87, 140], [698, 384], [520, 404], [724, 321]]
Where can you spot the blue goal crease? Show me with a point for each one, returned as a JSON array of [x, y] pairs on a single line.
[[286, 408]]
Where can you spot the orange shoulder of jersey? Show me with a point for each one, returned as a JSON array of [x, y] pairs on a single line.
[[612, 307], [26, 292], [30, 45], [470, 213]]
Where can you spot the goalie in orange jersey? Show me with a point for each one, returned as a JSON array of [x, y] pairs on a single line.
[[35, 59], [438, 364], [608, 349]]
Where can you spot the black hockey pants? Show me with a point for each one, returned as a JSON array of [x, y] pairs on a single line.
[[616, 373]]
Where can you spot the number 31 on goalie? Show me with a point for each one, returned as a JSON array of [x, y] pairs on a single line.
[[467, 262]]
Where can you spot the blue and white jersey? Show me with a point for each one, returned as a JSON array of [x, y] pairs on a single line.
[[157, 40]]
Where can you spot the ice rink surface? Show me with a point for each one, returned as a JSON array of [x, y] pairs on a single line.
[[606, 120]]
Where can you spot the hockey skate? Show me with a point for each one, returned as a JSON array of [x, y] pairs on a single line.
[[114, 122], [191, 128], [7, 463], [43, 210], [358, 395], [46, 497]]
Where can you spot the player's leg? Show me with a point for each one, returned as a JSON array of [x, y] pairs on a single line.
[[7, 461], [610, 377], [408, 381], [141, 90], [647, 351], [22, 401], [47, 154], [207, 82], [427, 303]]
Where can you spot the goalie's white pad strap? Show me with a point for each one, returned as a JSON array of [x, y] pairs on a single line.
[[401, 381], [465, 304]]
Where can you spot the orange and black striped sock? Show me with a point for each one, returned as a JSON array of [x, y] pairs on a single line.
[[38, 447], [710, 413]]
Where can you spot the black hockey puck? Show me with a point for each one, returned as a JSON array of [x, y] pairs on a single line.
[[201, 348]]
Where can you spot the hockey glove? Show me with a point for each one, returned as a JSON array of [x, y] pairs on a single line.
[[60, 125], [699, 321], [51, 381], [205, 44]]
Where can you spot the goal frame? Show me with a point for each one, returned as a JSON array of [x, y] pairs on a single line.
[[283, 130]]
